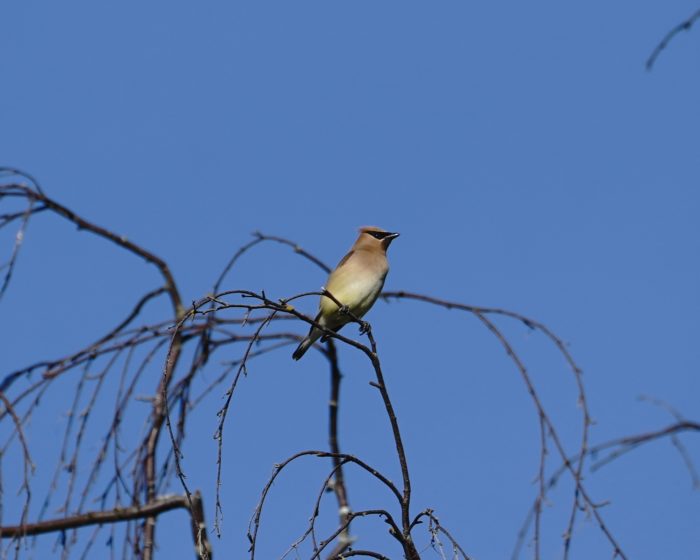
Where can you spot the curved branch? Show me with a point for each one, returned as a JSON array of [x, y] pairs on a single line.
[[685, 25], [118, 240], [343, 526], [254, 524]]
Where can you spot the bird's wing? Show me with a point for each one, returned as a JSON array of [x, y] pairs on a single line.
[[345, 259]]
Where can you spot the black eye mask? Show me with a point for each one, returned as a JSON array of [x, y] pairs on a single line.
[[378, 234]]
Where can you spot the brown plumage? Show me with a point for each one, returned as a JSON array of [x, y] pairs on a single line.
[[356, 282]]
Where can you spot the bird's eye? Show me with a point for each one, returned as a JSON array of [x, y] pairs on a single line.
[[377, 234]]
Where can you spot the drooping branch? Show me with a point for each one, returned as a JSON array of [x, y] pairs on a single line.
[[435, 528], [547, 428]]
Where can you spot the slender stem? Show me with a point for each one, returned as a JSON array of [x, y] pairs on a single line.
[[339, 487], [410, 550]]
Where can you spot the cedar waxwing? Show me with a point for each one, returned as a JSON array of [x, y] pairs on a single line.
[[356, 282]]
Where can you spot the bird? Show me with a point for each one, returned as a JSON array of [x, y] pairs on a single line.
[[356, 282]]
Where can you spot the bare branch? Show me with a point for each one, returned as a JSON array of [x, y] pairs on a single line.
[[685, 25], [161, 505]]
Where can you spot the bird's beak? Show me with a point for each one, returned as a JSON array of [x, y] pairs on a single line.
[[392, 236]]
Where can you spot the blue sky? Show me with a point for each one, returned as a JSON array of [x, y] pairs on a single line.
[[529, 161]]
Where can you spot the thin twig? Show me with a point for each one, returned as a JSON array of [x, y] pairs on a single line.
[[685, 25]]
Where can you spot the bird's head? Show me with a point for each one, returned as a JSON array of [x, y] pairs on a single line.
[[372, 237]]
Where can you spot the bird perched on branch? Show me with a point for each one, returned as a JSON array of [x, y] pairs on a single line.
[[356, 283]]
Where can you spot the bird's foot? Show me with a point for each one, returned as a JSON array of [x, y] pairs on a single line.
[[364, 327], [344, 310]]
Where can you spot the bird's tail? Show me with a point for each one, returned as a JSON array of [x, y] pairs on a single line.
[[302, 348], [305, 344]]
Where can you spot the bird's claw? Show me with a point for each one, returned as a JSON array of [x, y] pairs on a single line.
[[364, 327], [344, 309]]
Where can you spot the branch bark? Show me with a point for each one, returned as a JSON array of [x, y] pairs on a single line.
[[117, 515]]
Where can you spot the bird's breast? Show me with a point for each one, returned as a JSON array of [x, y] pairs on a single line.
[[355, 286]]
